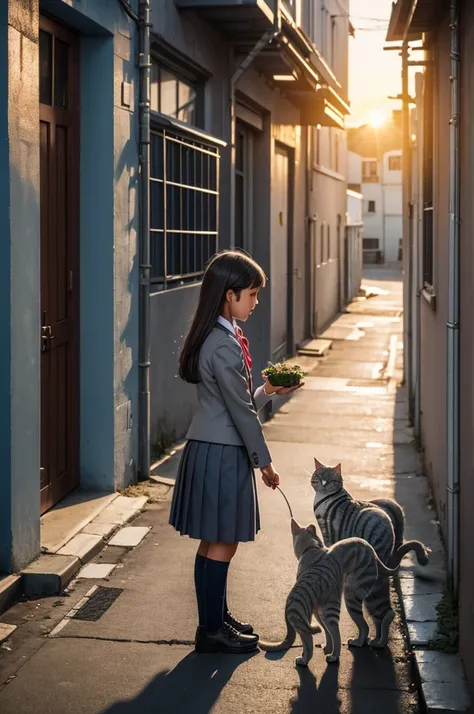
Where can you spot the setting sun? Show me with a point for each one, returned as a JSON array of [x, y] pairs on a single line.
[[377, 118]]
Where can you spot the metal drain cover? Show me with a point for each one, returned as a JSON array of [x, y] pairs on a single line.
[[97, 604]]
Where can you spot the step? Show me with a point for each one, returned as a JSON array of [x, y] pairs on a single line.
[[10, 589], [315, 348]]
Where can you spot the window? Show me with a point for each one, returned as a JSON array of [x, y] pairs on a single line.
[[184, 206], [172, 95], [371, 243], [292, 7], [371, 207], [318, 145], [428, 166], [394, 163], [333, 42], [53, 70], [243, 188], [370, 171]]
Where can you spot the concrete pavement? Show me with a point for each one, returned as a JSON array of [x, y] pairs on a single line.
[[137, 657]]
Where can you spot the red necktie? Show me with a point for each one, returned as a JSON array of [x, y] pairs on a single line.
[[244, 343]]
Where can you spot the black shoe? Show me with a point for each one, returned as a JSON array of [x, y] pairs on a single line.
[[226, 640], [241, 627]]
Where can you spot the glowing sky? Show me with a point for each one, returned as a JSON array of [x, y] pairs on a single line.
[[374, 74]]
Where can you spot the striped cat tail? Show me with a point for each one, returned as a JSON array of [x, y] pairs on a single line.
[[382, 569], [284, 644], [420, 550]]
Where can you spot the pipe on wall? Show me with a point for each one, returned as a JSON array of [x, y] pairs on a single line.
[[144, 245], [143, 23], [453, 366], [407, 232]]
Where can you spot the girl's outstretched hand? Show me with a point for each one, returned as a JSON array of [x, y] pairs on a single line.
[[270, 389], [270, 477]]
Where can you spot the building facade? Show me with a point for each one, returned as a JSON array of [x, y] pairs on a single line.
[[438, 178], [68, 174], [239, 95], [353, 245], [375, 169], [286, 202]]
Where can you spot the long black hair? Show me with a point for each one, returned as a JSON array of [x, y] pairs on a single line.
[[227, 270]]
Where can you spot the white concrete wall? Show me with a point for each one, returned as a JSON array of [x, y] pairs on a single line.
[[393, 234], [373, 222], [393, 221], [354, 208], [393, 200], [354, 167], [390, 176]]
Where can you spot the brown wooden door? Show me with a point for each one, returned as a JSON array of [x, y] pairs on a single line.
[[59, 102]]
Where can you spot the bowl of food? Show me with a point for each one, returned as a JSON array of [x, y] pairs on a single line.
[[284, 375]]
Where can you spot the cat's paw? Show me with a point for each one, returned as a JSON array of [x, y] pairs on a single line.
[[315, 629], [377, 643], [356, 642], [301, 662], [332, 658], [327, 650]]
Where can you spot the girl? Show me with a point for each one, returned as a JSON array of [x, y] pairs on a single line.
[[215, 497]]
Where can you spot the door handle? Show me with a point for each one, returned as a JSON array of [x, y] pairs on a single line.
[[46, 337]]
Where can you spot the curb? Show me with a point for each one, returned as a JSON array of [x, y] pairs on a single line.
[[10, 590], [51, 573], [440, 677]]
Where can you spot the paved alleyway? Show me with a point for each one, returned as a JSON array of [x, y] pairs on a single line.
[[137, 658]]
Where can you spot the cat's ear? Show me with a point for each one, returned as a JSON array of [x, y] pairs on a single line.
[[312, 529], [338, 469], [317, 464], [295, 528]]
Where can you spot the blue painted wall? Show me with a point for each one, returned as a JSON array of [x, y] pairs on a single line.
[[19, 292], [108, 232], [5, 323], [97, 263]]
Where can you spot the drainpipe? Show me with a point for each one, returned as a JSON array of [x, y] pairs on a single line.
[[144, 246], [407, 243], [241, 69], [142, 21], [452, 412]]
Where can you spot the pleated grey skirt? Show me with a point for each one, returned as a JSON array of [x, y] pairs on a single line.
[[215, 495]]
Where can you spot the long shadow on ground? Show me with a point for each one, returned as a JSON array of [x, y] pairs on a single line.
[[192, 687]]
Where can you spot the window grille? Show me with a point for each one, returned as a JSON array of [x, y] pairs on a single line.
[[184, 207]]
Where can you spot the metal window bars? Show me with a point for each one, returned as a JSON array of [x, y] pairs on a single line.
[[184, 207]]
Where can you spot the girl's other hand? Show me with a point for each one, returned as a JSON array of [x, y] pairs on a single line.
[[270, 477], [270, 389]]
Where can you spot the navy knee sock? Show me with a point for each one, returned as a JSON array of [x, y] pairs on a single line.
[[199, 567], [215, 577]]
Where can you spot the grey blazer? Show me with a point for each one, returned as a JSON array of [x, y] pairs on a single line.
[[227, 410]]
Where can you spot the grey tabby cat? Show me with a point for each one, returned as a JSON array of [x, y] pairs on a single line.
[[379, 522], [323, 574]]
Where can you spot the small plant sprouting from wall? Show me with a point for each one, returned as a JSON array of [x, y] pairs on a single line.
[[447, 639], [162, 445]]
